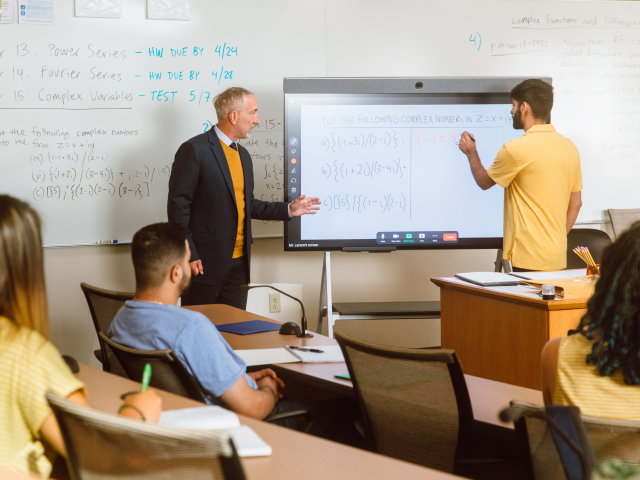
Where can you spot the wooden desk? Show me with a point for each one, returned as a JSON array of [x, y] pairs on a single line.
[[295, 455], [500, 336], [487, 397]]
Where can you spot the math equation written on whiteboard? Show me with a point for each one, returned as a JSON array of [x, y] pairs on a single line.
[[93, 138]]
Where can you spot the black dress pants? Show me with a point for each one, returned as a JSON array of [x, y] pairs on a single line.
[[227, 292]]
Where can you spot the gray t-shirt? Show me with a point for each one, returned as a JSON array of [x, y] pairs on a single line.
[[192, 337]]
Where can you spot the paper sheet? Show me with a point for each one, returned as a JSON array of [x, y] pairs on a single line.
[[200, 418], [579, 272], [37, 12], [169, 9], [8, 11], [99, 8], [266, 356], [330, 354]]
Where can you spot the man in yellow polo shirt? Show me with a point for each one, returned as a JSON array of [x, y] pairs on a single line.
[[541, 175]]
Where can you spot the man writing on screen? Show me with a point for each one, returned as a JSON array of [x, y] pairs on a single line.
[[541, 175], [211, 195]]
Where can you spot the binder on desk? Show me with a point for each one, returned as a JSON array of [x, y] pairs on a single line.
[[488, 279], [249, 327]]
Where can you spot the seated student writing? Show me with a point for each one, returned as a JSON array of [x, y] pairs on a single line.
[[153, 321], [29, 364], [598, 368]]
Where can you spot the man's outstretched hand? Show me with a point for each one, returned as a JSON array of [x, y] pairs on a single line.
[[304, 206]]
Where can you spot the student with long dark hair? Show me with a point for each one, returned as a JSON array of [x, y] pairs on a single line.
[[598, 368], [29, 363]]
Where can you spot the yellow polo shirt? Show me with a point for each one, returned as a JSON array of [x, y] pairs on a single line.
[[538, 172], [29, 366], [237, 176]]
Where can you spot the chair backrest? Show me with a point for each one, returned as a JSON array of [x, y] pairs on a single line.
[[595, 240], [623, 218], [103, 305], [610, 439], [414, 402], [105, 446], [169, 373]]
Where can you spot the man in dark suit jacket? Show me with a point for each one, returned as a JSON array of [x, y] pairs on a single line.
[[211, 194]]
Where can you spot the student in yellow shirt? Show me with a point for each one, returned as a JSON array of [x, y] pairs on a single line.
[[29, 364], [598, 368], [541, 175]]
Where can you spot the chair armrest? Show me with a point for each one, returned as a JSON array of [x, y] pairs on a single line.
[[296, 413], [71, 363], [282, 416], [98, 355]]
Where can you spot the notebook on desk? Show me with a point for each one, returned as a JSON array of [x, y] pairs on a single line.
[[246, 441], [488, 279], [270, 356]]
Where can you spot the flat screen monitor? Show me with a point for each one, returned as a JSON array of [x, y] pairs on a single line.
[[383, 157]]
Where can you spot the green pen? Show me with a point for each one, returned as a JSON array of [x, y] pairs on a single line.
[[146, 377]]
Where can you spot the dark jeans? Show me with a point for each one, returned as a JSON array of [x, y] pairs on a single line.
[[226, 292], [333, 419]]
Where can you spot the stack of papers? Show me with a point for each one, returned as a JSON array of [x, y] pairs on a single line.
[[561, 274], [246, 441], [270, 356]]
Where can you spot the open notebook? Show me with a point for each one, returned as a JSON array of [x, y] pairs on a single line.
[[247, 442], [270, 356]]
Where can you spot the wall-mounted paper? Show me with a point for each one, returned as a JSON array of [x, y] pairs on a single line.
[[38, 12], [8, 11], [169, 9], [99, 8]]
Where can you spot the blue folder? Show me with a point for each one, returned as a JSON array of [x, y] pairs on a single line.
[[247, 328]]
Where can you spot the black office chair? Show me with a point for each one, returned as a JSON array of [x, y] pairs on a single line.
[[415, 405], [103, 305], [169, 374], [595, 240]]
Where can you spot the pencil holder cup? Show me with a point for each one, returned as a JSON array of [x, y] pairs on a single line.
[[593, 270]]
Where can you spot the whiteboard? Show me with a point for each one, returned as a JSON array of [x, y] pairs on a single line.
[[112, 179], [90, 122], [590, 49]]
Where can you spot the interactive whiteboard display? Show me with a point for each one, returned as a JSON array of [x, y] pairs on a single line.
[[388, 170]]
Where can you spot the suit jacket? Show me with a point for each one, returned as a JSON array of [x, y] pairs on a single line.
[[201, 197]]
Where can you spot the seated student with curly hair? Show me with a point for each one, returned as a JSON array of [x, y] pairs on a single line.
[[598, 368], [29, 363]]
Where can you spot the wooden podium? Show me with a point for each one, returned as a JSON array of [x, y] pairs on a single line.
[[499, 336]]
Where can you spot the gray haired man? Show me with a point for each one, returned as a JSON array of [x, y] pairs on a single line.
[[211, 195]]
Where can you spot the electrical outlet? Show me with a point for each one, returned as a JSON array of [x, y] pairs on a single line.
[[274, 303]]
